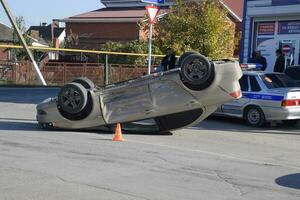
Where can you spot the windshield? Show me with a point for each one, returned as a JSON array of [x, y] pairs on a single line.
[[278, 81]]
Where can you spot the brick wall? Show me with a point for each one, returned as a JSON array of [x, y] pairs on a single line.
[[4, 53], [92, 34]]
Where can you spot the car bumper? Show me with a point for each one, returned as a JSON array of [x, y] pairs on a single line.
[[282, 113]]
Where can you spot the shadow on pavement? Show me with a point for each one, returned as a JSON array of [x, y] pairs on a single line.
[[31, 125], [18, 126], [26, 95], [290, 181], [238, 125]]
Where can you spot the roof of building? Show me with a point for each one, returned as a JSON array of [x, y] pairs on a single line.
[[45, 31], [134, 14], [235, 7], [124, 14], [129, 3], [6, 33]]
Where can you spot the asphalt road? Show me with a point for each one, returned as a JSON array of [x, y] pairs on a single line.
[[217, 160]]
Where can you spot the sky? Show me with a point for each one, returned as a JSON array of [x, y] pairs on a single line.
[[38, 11]]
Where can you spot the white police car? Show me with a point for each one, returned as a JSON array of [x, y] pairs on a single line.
[[266, 97]]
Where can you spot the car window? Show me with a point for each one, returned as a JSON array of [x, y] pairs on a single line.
[[293, 72], [254, 84], [244, 83], [278, 81]]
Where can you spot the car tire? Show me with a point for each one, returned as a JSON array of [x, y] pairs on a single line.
[[184, 55], [291, 122], [85, 82], [254, 116], [197, 72], [72, 98]]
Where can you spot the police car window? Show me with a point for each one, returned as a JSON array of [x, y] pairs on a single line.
[[278, 81], [244, 83], [254, 84]]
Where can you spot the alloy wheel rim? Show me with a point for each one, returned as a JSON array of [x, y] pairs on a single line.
[[71, 98], [196, 70], [253, 116]]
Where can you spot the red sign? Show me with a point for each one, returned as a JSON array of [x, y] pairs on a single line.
[[286, 49], [152, 13], [266, 28]]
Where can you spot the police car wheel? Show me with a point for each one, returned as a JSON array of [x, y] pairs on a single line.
[[85, 82], [254, 116], [197, 73], [72, 98]]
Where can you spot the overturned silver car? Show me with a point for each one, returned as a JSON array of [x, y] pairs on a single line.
[[170, 100]]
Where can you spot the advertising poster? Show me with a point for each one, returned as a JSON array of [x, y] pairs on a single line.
[[288, 27], [284, 2], [288, 48], [267, 49], [266, 28]]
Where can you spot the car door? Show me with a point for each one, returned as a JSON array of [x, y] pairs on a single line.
[[235, 107], [129, 101]]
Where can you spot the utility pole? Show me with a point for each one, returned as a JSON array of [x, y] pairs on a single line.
[[150, 48], [152, 15], [14, 24]]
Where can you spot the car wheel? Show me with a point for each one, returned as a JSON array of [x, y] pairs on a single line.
[[85, 82], [72, 98], [197, 73], [184, 55], [290, 122], [254, 116]]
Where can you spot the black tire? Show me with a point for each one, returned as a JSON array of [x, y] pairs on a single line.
[[254, 116], [291, 122], [72, 98], [184, 55], [85, 82], [197, 73]]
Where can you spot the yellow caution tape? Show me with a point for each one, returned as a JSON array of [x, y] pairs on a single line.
[[87, 51], [77, 50]]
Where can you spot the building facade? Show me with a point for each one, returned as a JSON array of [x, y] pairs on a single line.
[[269, 25], [6, 38], [119, 21]]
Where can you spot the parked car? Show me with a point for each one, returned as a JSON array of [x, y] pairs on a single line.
[[293, 72], [173, 99], [266, 97]]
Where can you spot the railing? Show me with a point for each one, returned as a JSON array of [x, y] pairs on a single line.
[[60, 73]]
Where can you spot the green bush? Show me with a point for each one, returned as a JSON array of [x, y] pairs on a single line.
[[135, 46]]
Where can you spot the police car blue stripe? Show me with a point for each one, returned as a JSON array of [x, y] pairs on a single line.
[[266, 97]]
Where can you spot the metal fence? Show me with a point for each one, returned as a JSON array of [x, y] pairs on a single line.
[[60, 73]]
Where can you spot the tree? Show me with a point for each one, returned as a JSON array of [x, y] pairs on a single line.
[[135, 46], [20, 54], [201, 26]]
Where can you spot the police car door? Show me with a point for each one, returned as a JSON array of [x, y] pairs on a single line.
[[235, 107]]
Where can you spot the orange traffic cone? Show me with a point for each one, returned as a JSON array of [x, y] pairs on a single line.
[[118, 133]]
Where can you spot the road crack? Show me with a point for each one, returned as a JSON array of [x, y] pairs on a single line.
[[232, 185], [77, 183]]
